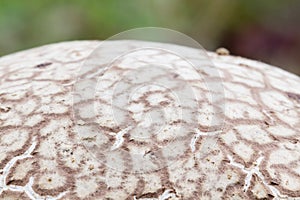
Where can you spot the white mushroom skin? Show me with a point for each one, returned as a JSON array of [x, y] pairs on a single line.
[[257, 154]]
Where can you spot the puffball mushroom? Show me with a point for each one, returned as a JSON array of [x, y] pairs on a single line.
[[255, 156]]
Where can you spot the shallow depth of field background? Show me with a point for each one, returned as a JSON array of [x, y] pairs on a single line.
[[267, 30]]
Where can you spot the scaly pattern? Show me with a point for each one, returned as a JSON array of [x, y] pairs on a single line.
[[256, 155]]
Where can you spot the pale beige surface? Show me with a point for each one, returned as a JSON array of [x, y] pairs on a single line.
[[257, 154]]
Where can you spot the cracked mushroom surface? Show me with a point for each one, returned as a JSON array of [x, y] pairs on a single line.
[[256, 155]]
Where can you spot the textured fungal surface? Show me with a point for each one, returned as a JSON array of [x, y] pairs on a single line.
[[255, 155]]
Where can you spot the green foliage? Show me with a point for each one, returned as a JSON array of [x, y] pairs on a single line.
[[29, 23]]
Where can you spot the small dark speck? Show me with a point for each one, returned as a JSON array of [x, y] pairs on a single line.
[[9, 182], [274, 183], [293, 96], [270, 196], [295, 141], [43, 65], [5, 109]]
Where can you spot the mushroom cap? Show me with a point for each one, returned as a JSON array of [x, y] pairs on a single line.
[[255, 155]]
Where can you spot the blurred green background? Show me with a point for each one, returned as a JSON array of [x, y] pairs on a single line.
[[266, 30]]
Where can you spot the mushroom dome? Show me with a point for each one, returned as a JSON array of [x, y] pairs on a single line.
[[72, 127]]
